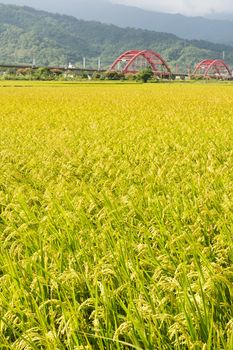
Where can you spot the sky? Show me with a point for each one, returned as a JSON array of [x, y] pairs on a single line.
[[187, 7]]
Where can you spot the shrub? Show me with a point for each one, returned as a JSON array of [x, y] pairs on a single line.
[[112, 75]]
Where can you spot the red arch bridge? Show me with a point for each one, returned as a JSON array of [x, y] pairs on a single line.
[[215, 69], [135, 60], [131, 62]]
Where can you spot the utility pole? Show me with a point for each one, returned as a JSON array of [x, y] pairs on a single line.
[[99, 63], [33, 62], [84, 62]]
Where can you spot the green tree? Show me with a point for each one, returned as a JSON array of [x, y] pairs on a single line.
[[145, 74]]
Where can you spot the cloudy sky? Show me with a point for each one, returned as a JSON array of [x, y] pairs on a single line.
[[188, 7]]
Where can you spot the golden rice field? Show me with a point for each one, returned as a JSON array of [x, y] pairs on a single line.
[[116, 217]]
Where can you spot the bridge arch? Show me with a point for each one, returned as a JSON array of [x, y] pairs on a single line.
[[134, 60], [217, 69]]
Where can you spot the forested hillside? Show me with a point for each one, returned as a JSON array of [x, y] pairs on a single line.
[[106, 11], [54, 39]]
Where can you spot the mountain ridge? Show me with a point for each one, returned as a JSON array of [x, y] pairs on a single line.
[[55, 39], [192, 28]]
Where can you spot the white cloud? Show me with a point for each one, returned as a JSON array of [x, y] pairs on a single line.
[[187, 7]]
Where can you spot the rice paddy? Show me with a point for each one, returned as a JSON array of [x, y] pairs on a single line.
[[116, 217]]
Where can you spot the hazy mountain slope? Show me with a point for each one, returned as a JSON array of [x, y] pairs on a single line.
[[220, 31], [55, 40], [221, 16]]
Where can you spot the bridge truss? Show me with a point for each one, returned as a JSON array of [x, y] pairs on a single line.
[[215, 69], [131, 62]]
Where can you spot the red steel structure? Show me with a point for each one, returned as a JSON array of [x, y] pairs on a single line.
[[217, 69], [134, 60]]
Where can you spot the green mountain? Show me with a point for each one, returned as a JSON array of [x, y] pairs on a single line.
[[54, 39], [218, 28]]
